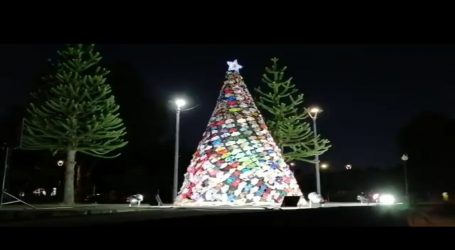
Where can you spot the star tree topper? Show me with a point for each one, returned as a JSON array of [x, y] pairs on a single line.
[[234, 66]]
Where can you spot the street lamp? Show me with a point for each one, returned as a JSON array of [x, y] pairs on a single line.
[[405, 158], [179, 103], [5, 167], [313, 113], [324, 166], [348, 167]]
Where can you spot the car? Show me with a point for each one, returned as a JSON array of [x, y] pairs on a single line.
[[92, 198]]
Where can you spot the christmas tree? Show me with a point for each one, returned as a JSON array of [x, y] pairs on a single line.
[[237, 161]]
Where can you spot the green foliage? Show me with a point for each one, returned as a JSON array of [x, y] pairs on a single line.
[[286, 117], [76, 109]]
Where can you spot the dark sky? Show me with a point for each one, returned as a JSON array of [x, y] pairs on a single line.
[[367, 91]]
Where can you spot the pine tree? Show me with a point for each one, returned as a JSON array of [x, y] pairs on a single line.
[[237, 161], [282, 104], [75, 112]]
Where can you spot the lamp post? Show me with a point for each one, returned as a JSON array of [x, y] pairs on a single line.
[[5, 167], [179, 103], [313, 113], [405, 158], [324, 166]]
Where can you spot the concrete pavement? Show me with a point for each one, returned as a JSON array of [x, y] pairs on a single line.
[[107, 214]]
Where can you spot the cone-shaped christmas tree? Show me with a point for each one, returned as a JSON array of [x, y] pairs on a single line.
[[237, 161]]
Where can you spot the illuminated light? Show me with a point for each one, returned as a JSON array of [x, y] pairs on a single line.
[[348, 167], [404, 157], [387, 199], [243, 165], [180, 102], [315, 198], [292, 164], [39, 192], [315, 110], [375, 196], [234, 66], [445, 196], [60, 163], [324, 166], [135, 199]]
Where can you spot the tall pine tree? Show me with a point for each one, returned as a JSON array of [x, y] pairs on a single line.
[[75, 112], [286, 117]]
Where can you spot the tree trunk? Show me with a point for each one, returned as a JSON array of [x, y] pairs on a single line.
[[68, 192]]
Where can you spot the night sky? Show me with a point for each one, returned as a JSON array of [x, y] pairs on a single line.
[[367, 91]]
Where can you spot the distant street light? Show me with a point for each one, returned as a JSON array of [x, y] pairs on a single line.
[[348, 167], [325, 166], [313, 113], [405, 158], [315, 110], [179, 103]]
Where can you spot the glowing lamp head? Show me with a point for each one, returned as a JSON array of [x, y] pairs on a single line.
[[324, 166], [375, 196], [404, 157], [387, 199], [445, 196], [315, 110], [180, 102], [60, 163]]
